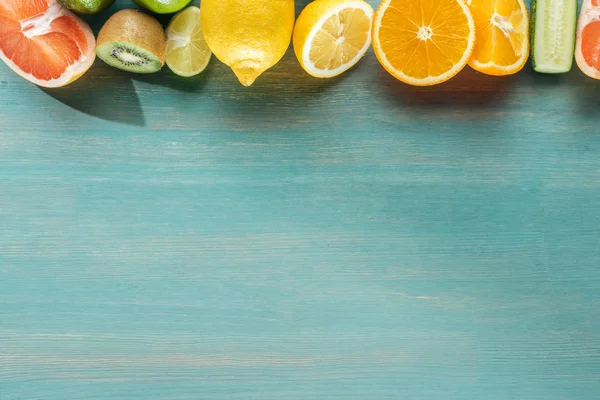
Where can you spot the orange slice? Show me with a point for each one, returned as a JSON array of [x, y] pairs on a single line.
[[502, 46], [44, 42], [587, 50], [423, 42]]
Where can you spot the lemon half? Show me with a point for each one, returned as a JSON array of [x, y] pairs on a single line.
[[331, 36]]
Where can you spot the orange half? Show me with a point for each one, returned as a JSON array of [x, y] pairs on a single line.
[[44, 42], [423, 42], [502, 46]]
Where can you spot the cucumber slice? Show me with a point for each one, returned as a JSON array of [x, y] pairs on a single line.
[[553, 31]]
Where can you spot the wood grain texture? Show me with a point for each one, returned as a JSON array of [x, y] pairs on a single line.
[[163, 238]]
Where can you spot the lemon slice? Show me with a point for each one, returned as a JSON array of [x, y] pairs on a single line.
[[331, 36], [187, 51]]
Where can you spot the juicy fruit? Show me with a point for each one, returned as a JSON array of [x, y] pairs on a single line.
[[587, 50], [423, 42], [187, 51], [132, 41], [502, 30], [44, 42], [331, 36], [553, 27], [162, 6], [248, 36], [87, 6]]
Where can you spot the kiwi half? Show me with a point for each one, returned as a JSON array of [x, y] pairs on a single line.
[[132, 41]]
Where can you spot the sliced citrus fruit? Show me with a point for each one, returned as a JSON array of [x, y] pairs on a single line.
[[44, 42], [331, 36], [587, 50], [423, 42], [187, 51], [502, 46]]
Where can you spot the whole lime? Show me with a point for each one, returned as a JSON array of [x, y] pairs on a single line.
[[162, 6], [87, 6]]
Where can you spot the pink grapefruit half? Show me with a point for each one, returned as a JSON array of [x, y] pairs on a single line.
[[44, 42]]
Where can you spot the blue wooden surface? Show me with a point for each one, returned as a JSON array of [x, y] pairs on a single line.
[[300, 239]]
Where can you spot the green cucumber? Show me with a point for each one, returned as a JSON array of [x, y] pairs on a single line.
[[553, 32]]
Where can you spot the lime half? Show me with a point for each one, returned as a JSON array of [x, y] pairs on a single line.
[[187, 51], [162, 6], [87, 6]]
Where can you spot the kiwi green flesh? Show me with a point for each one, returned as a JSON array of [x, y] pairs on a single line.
[[128, 57]]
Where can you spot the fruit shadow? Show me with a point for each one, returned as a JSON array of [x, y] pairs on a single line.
[[170, 80], [468, 89], [275, 107], [585, 94], [286, 86], [550, 80], [104, 93], [576, 85]]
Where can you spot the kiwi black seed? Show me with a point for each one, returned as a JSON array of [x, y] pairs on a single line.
[[132, 41]]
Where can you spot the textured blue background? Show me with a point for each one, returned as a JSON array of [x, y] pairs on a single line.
[[348, 239]]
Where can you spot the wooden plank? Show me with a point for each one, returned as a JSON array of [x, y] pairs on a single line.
[[300, 239]]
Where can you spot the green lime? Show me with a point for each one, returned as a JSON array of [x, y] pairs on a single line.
[[87, 6], [162, 6]]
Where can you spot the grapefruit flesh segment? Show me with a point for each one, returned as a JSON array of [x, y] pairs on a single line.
[[43, 42], [590, 44], [8, 26], [21, 10]]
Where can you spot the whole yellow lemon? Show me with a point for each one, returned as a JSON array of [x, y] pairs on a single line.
[[250, 36]]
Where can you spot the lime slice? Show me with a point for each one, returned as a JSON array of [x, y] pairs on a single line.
[[187, 51]]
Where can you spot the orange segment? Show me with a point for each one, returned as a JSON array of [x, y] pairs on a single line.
[[502, 30], [423, 42], [43, 42]]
